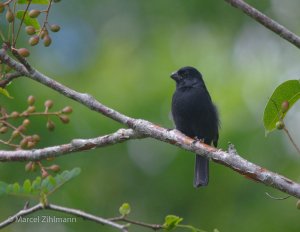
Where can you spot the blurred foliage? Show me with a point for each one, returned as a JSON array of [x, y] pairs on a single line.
[[38, 187], [122, 52]]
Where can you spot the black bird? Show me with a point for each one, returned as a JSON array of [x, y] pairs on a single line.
[[195, 115]]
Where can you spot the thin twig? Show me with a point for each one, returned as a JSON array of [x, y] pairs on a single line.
[[277, 198], [47, 12], [8, 78], [143, 224], [266, 21], [13, 23], [75, 212], [20, 214], [43, 28], [27, 115], [9, 144], [7, 2], [291, 139], [87, 216], [21, 23]]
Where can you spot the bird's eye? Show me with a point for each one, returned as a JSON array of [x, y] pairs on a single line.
[[183, 74]]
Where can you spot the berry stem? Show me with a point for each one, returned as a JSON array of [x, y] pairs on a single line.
[[9, 144], [291, 139], [46, 18], [22, 20], [30, 114], [13, 24], [47, 12]]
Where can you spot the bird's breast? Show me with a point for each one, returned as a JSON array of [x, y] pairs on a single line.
[[193, 112]]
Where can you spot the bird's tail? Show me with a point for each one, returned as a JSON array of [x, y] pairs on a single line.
[[201, 171]]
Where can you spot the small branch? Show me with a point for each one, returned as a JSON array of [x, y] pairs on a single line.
[[8, 78], [21, 23], [21, 213], [266, 21], [47, 12], [8, 143], [58, 208], [25, 114], [143, 224], [75, 146], [13, 23], [87, 216], [21, 59], [277, 198], [20, 68]]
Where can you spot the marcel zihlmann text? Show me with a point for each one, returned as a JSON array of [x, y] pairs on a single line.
[[46, 219]]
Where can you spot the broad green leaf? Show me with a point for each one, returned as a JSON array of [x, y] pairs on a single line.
[[5, 93], [27, 20], [287, 91], [171, 222], [33, 2], [125, 209]]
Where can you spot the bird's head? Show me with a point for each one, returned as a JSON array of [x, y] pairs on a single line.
[[187, 77]]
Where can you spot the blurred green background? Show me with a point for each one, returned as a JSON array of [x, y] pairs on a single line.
[[122, 52]]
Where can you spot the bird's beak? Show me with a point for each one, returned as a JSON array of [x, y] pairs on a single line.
[[175, 76]]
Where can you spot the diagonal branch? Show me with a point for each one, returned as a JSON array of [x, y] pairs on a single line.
[[266, 21], [87, 216], [58, 208], [76, 145], [144, 128], [21, 213]]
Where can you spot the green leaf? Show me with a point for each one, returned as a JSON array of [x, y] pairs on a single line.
[[5, 93], [16, 188], [33, 2], [50, 184], [36, 184], [287, 91], [27, 20], [39, 187], [125, 209], [9, 188], [27, 186], [52, 180], [171, 222]]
